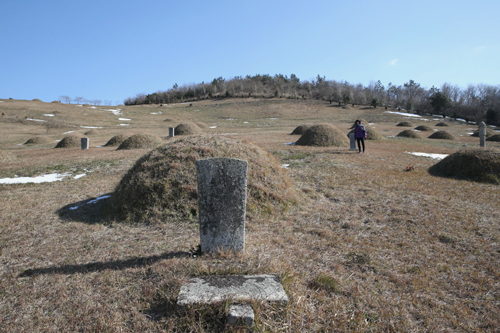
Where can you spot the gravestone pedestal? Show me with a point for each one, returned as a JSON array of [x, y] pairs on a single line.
[[85, 143], [222, 195], [352, 141]]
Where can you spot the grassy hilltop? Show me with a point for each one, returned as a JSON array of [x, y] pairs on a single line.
[[369, 242]]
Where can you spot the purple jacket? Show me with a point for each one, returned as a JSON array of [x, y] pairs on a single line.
[[359, 131]]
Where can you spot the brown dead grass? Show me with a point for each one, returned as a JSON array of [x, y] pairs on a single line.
[[39, 140], [6, 156], [92, 132]]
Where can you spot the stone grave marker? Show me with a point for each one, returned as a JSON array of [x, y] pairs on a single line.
[[352, 141], [171, 132], [482, 134], [85, 143], [222, 196]]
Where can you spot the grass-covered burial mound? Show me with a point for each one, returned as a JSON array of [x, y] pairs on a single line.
[[187, 129], [140, 141], [443, 124], [201, 124], [405, 124], [162, 185], [323, 135], [495, 137], [371, 133], [489, 133], [443, 135], [423, 128], [299, 130], [409, 134], [70, 141], [39, 140], [117, 140], [477, 164]]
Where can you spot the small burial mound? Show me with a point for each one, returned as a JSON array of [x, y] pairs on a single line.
[[140, 141], [477, 164], [187, 129], [162, 185], [92, 132], [6, 156], [409, 134], [443, 135], [299, 130], [363, 122], [442, 124], [489, 133], [371, 133], [70, 141], [423, 128], [117, 140], [201, 125], [405, 124], [323, 135], [39, 140], [495, 137]]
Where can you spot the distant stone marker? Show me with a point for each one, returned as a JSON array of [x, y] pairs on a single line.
[[352, 141], [482, 134], [85, 143], [171, 132], [222, 196]]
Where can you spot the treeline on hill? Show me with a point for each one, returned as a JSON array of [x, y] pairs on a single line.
[[473, 103]]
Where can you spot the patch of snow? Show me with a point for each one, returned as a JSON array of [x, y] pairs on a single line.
[[274, 118], [434, 156], [371, 123], [92, 201], [469, 133], [124, 119], [35, 119], [197, 110], [68, 132], [230, 119], [437, 115], [472, 122], [20, 144], [460, 119], [48, 115], [404, 114], [116, 112], [100, 146], [213, 127], [92, 107], [159, 112], [79, 176], [78, 105], [89, 127], [290, 143], [246, 122], [285, 166], [123, 124], [1, 101], [53, 177]]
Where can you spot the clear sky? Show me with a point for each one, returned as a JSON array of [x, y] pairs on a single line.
[[111, 50]]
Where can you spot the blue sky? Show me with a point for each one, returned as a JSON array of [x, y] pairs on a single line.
[[111, 50]]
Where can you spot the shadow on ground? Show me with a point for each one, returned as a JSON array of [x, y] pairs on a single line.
[[106, 265], [87, 211]]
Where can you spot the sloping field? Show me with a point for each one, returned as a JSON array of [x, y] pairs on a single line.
[[366, 247]]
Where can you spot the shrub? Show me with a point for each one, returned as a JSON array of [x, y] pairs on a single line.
[[140, 141], [443, 135], [323, 135]]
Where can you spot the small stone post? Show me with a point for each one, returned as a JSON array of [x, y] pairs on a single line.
[[353, 142], [222, 197], [171, 132], [482, 134], [85, 143]]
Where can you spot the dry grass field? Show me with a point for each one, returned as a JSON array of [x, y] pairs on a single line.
[[367, 247]]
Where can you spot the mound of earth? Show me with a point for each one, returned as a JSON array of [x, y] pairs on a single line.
[[475, 164], [495, 137], [443, 135], [409, 134], [56, 102], [323, 135], [489, 133], [201, 124], [92, 132], [6, 156], [36, 100], [140, 141], [187, 129], [39, 140], [372, 134], [405, 124], [423, 128], [363, 122], [117, 140], [299, 130], [70, 141], [162, 185], [442, 124]]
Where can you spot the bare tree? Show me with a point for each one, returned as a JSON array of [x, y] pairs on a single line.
[[65, 99], [78, 100]]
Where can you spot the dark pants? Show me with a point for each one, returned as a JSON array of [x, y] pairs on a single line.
[[361, 141]]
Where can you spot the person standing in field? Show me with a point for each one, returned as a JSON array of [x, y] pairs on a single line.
[[360, 134]]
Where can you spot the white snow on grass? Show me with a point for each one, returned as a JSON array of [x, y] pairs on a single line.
[[48, 115], [92, 201], [78, 105], [274, 118], [123, 124], [404, 114], [285, 166], [116, 112], [35, 119], [68, 132], [79, 176], [92, 107], [52, 177], [230, 119], [290, 143], [213, 127], [246, 122], [90, 127], [159, 112], [433, 156], [124, 119]]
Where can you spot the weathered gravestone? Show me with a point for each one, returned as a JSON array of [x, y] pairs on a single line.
[[222, 196], [85, 143], [352, 140], [171, 132], [240, 314], [482, 134]]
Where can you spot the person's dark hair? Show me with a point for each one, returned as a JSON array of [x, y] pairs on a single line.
[[358, 121]]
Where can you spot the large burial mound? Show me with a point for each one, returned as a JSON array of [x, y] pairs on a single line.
[[409, 134], [423, 128], [488, 133], [70, 141], [6, 156], [495, 137], [299, 130], [371, 133], [475, 164], [187, 129], [323, 135], [92, 132], [140, 141], [201, 124], [405, 124], [162, 185], [442, 124], [39, 140], [117, 140], [443, 135]]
